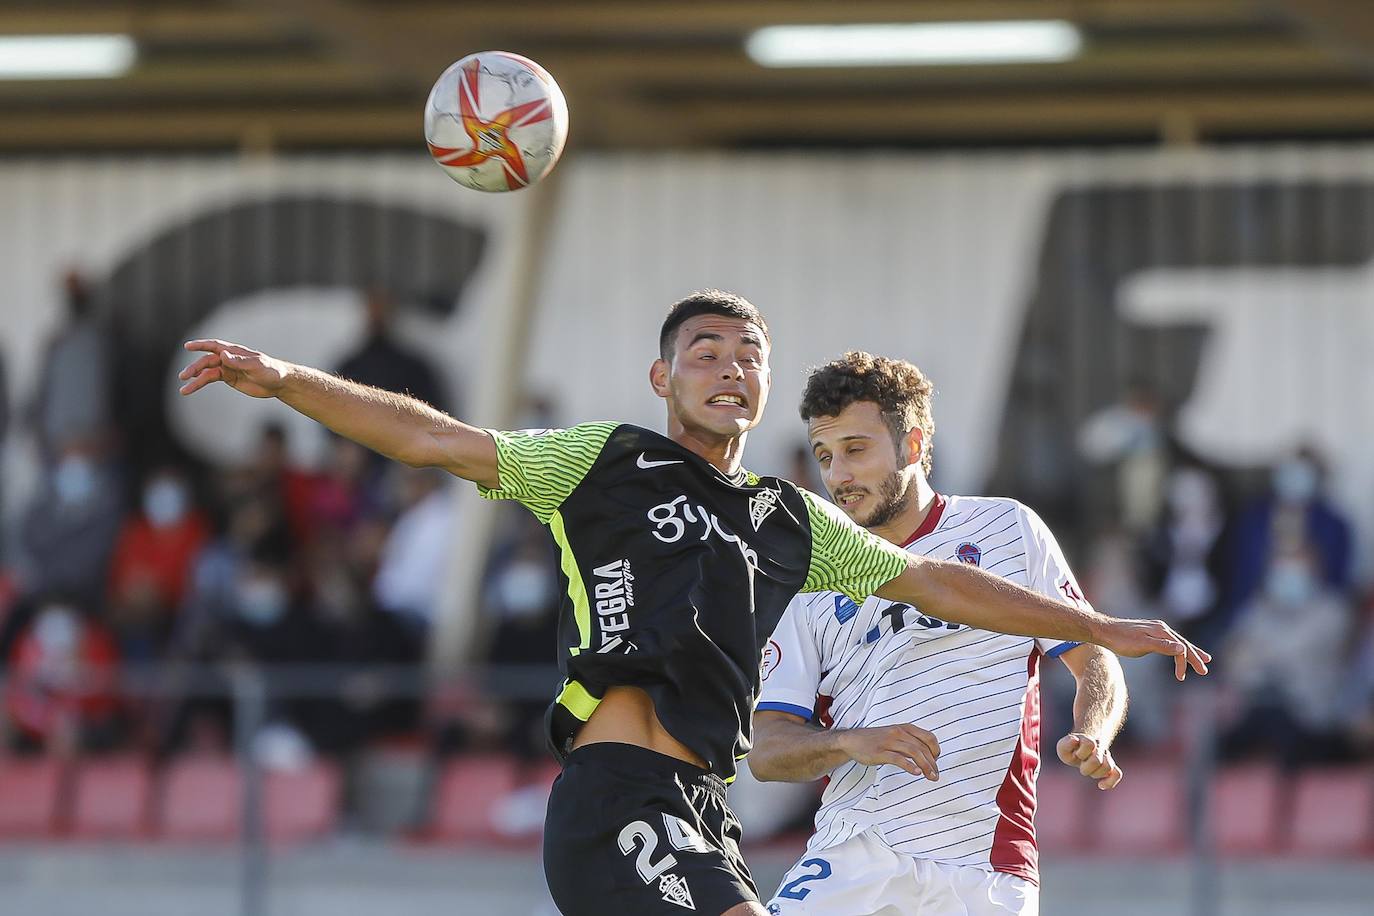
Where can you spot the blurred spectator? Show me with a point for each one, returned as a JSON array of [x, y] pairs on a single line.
[[295, 487], [273, 624], [384, 362], [521, 597], [367, 642], [70, 527], [1130, 438], [1282, 658], [1183, 558], [413, 559], [349, 490], [1294, 518], [72, 403], [1357, 700], [252, 523], [60, 694], [153, 564]]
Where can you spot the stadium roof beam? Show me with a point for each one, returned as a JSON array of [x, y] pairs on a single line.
[[596, 18], [1347, 28], [310, 73], [630, 124]]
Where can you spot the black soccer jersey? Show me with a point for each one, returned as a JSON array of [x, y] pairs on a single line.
[[675, 573]]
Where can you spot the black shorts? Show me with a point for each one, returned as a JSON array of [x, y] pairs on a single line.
[[632, 832]]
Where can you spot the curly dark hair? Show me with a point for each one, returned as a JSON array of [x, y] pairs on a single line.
[[901, 391], [706, 302]]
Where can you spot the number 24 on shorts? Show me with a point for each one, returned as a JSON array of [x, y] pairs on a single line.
[[681, 836]]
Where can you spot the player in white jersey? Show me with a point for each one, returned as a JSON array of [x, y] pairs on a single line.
[[929, 731]]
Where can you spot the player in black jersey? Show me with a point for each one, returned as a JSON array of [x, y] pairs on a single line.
[[677, 564]]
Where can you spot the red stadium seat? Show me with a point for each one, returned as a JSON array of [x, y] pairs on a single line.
[[301, 804], [1064, 818], [1333, 812], [1145, 813], [30, 792], [469, 788], [201, 797], [1243, 810], [110, 798]]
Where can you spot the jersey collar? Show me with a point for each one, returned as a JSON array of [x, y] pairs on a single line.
[[932, 519]]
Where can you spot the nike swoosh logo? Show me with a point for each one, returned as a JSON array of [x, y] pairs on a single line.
[[646, 463]]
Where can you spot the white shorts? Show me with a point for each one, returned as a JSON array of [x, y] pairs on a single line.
[[864, 877]]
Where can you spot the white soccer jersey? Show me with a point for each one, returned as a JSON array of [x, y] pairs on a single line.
[[885, 663]]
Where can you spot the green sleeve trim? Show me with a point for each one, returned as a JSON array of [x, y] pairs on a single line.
[[577, 589], [540, 470], [577, 700], [846, 558]]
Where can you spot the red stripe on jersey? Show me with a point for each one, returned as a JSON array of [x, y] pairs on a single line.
[[937, 509], [1013, 842], [823, 704]]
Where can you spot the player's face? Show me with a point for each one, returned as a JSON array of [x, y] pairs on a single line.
[[860, 464], [719, 378]]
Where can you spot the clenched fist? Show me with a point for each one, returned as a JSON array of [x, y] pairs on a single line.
[[1085, 754]]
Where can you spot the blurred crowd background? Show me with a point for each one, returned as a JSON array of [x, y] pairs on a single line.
[[1139, 277]]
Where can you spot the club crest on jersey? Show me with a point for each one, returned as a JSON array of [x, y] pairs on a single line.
[[845, 608], [762, 504], [772, 654], [674, 890], [969, 553]]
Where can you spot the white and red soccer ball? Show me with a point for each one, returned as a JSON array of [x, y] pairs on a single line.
[[496, 121]]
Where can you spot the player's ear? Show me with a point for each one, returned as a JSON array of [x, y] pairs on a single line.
[[915, 445], [658, 377]]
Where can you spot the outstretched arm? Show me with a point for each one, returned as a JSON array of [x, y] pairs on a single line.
[[397, 426], [966, 594], [1099, 710]]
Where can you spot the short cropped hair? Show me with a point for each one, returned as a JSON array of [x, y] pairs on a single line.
[[707, 302], [901, 391]]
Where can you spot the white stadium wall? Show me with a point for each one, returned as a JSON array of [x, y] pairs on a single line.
[[1238, 280]]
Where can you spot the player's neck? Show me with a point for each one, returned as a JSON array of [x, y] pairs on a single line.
[[724, 452], [909, 520]]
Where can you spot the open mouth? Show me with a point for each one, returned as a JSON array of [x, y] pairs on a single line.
[[727, 400], [849, 499]]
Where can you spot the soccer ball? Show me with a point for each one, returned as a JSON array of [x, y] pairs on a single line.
[[496, 121]]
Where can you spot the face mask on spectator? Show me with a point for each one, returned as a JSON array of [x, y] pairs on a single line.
[[1295, 481], [164, 502], [74, 480], [1290, 583], [524, 588], [261, 602], [57, 630]]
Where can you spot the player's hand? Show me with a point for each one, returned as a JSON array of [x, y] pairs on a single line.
[[1134, 638], [1091, 758], [248, 371], [907, 746]]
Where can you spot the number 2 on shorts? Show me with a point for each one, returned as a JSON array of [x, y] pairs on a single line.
[[793, 889]]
